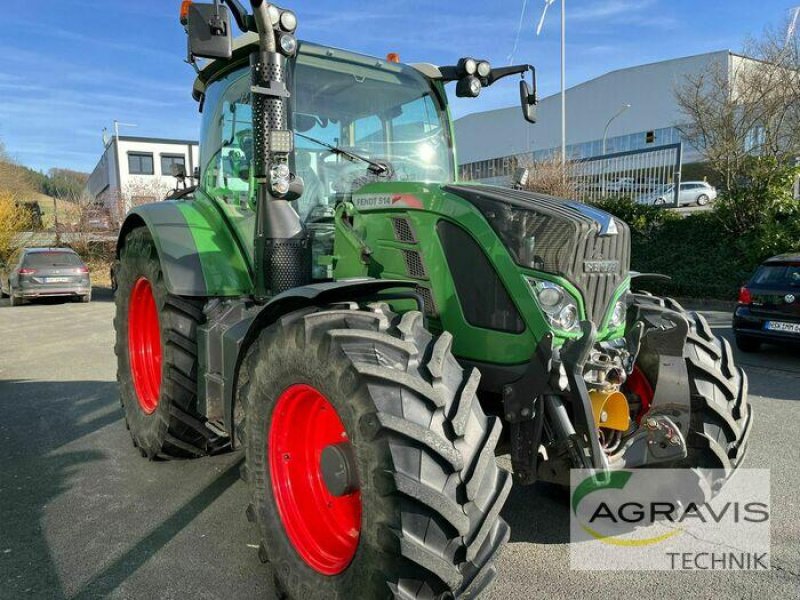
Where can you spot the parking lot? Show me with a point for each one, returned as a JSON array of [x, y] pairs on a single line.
[[82, 515]]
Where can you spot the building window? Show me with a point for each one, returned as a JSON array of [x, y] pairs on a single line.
[[168, 160], [140, 163]]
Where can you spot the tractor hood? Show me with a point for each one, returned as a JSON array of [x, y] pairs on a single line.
[[583, 244]]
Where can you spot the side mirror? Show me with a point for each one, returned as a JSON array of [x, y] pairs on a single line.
[[178, 171], [209, 30], [528, 99]]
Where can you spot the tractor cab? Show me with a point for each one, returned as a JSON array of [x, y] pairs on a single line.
[[348, 112]]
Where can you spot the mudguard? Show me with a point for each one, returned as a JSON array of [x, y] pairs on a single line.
[[232, 326], [199, 253]]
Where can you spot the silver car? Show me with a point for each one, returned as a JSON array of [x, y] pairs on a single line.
[[45, 272], [690, 192]]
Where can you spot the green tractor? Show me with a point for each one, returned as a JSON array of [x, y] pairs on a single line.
[[371, 331]]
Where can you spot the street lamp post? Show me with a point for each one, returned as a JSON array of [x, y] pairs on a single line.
[[547, 4], [622, 109]]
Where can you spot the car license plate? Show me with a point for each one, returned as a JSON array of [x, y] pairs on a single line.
[[781, 326], [57, 279]]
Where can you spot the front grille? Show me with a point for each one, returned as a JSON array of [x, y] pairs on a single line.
[[557, 236], [598, 288], [414, 265], [403, 232]]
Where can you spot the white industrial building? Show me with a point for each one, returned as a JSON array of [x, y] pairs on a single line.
[[490, 142], [135, 170]]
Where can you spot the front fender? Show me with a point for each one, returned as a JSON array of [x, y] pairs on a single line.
[[225, 342], [199, 254]]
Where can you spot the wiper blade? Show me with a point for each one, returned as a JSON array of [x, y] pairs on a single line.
[[374, 167]]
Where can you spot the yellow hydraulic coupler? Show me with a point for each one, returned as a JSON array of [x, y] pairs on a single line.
[[611, 410]]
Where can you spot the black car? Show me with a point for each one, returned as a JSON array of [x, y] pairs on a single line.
[[769, 304], [45, 272]]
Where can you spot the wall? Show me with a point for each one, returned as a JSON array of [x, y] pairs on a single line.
[[649, 89]]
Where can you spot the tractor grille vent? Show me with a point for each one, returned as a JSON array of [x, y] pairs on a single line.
[[414, 265], [403, 231], [427, 296]]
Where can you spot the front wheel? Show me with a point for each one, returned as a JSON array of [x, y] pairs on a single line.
[[702, 200], [721, 416], [371, 464]]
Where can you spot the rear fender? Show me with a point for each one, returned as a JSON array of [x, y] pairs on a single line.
[[199, 254]]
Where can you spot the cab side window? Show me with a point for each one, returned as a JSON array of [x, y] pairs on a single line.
[[227, 148]]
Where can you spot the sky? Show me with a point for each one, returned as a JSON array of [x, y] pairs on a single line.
[[70, 67]]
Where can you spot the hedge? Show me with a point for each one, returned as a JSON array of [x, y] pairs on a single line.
[[696, 252]]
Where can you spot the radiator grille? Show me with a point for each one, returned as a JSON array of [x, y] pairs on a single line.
[[403, 232], [415, 267]]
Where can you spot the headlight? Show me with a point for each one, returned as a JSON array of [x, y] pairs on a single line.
[[560, 308], [618, 316], [484, 68]]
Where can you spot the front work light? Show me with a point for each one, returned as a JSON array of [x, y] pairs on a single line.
[[288, 44], [467, 66], [288, 21], [469, 87], [484, 68]]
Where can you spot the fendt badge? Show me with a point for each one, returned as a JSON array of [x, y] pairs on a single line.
[[600, 266]]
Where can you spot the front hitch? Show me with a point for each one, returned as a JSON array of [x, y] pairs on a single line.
[[556, 376]]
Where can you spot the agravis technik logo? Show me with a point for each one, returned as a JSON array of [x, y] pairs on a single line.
[[670, 519]]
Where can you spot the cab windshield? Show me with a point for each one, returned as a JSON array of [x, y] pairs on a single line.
[[378, 110]]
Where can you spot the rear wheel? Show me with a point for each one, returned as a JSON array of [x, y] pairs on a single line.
[[370, 461], [86, 298], [156, 351]]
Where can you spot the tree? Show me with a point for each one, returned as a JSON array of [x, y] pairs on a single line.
[[65, 183], [743, 116], [14, 218], [553, 177]]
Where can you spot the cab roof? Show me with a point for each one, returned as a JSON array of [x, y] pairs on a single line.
[[245, 44]]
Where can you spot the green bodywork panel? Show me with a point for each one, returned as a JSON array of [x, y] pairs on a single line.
[[371, 229], [200, 245]]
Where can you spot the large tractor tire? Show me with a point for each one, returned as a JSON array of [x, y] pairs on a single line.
[[156, 349], [370, 462], [720, 412]]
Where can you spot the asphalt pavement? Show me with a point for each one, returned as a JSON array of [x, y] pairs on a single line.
[[82, 515]]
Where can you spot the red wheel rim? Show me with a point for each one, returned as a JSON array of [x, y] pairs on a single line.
[[324, 529], [144, 345]]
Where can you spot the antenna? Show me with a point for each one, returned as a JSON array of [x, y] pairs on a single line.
[[792, 29], [519, 31], [547, 4]]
